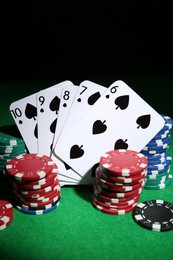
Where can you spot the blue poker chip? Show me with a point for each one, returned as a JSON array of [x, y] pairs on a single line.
[[157, 158], [154, 151], [151, 172], [157, 175], [166, 130], [160, 166], [159, 142], [161, 135], [37, 212]]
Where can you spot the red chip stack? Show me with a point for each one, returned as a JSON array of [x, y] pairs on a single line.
[[120, 178], [34, 182]]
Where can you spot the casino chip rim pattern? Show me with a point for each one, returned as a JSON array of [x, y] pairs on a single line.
[[6, 214], [146, 214]]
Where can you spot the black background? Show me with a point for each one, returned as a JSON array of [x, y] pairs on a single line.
[[85, 40]]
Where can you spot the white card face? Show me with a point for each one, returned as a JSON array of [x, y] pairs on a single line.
[[87, 94], [119, 119], [65, 170], [67, 97], [24, 113], [48, 105]]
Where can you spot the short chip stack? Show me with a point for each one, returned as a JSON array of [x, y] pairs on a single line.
[[34, 182], [159, 161], [120, 178], [10, 147]]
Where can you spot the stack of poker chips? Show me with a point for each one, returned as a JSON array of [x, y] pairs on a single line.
[[159, 161], [6, 214], [34, 182], [10, 147], [120, 178]]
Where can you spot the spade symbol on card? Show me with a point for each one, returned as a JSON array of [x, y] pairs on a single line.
[[122, 102], [93, 98], [121, 144], [143, 121], [36, 131], [54, 104], [66, 166], [30, 111], [53, 126], [76, 151], [99, 127]]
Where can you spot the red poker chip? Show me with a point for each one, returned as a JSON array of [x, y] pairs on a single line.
[[47, 196], [113, 199], [123, 162], [113, 211], [112, 206], [29, 166], [118, 186], [114, 194], [37, 193], [116, 202], [6, 214], [40, 203], [33, 187], [121, 188], [120, 179], [41, 183]]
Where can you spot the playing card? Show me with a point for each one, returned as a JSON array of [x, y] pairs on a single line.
[[65, 171], [24, 113], [119, 119], [48, 105], [66, 103], [87, 94]]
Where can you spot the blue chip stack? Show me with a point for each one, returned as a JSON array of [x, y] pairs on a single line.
[[159, 160]]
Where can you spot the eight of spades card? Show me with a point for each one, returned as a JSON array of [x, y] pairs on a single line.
[[119, 119], [87, 94]]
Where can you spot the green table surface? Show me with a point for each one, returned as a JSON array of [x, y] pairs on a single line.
[[76, 230]]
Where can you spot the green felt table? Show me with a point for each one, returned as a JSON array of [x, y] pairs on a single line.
[[76, 230]]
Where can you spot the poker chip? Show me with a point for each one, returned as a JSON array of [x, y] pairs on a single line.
[[123, 162], [37, 211], [10, 147], [113, 211], [29, 166], [6, 214], [160, 185], [159, 160], [119, 181], [34, 183], [155, 215]]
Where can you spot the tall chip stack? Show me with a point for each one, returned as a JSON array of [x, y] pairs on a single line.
[[120, 178], [159, 160], [34, 182]]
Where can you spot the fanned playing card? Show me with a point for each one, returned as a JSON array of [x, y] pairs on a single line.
[[49, 103], [24, 113], [87, 94], [119, 119]]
